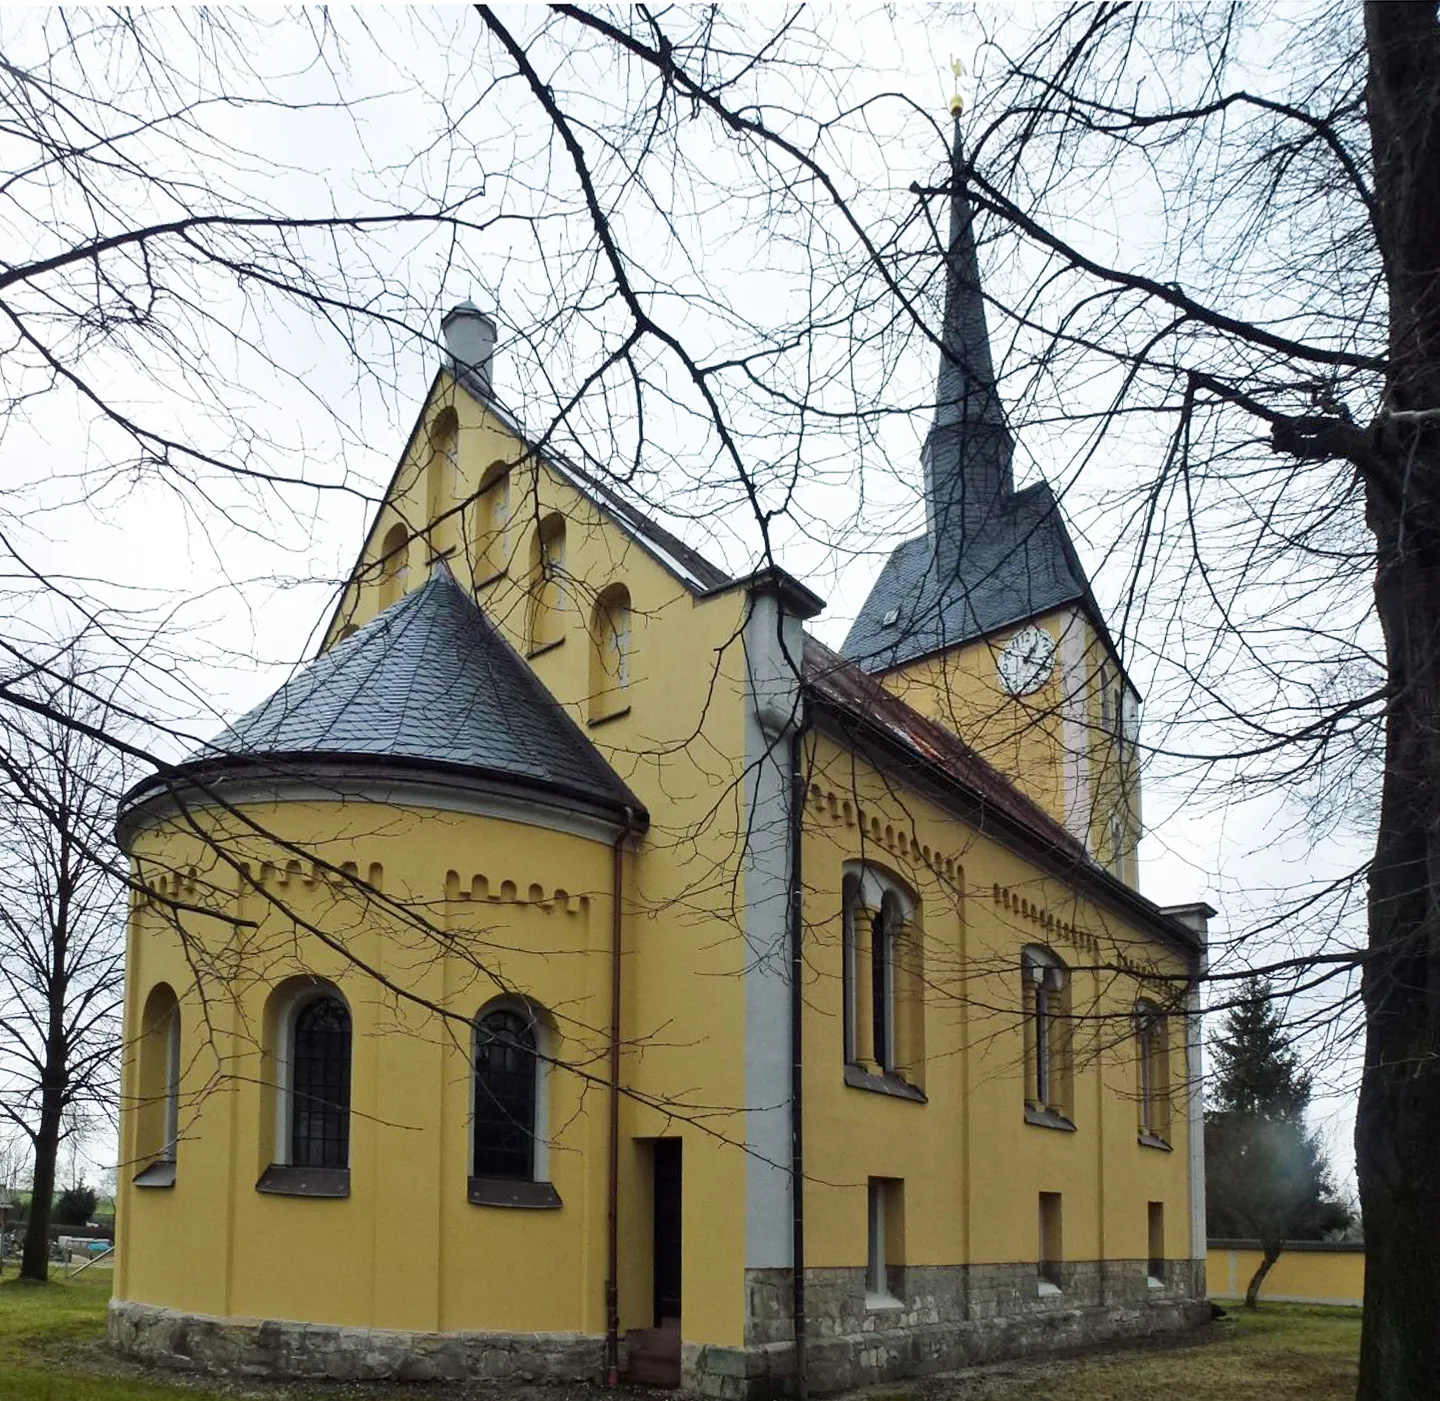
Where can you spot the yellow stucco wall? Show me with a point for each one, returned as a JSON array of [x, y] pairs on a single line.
[[972, 1166], [1314, 1275], [1055, 743]]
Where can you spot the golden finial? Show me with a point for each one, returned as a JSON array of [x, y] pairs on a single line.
[[957, 103]]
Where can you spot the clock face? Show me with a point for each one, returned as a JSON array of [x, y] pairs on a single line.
[[1027, 661]]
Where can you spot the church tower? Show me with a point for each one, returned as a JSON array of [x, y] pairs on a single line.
[[987, 622]]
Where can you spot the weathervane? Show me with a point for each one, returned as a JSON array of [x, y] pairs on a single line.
[[957, 103]]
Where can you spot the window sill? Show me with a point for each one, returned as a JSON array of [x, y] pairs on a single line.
[[160, 1173], [606, 719], [1154, 1283], [880, 1303], [543, 648], [1150, 1140], [448, 552], [886, 1083], [1048, 1119], [513, 1191], [493, 578], [284, 1180], [1045, 1290]]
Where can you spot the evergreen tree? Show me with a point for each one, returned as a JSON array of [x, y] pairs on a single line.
[[1265, 1172]]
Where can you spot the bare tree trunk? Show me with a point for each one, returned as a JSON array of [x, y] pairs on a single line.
[[1272, 1249], [1399, 1120], [35, 1258]]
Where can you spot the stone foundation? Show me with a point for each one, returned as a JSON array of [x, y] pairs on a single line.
[[275, 1348], [943, 1318]]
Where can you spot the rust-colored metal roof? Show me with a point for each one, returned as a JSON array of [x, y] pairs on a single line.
[[939, 758], [940, 753]]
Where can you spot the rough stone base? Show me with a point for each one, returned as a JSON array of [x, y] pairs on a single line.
[[943, 1318], [277, 1348]]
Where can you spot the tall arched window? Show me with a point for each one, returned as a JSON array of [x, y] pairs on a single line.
[[548, 592], [1046, 995], [394, 564], [492, 523], [882, 989], [1152, 1043], [320, 1084], [505, 1095], [442, 481], [158, 1074], [610, 652]]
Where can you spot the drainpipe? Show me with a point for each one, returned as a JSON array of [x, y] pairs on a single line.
[[612, 1225], [797, 1058]]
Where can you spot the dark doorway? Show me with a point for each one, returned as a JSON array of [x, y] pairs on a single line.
[[667, 1233], [653, 1354]]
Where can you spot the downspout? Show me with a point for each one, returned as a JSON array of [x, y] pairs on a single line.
[[797, 1057], [612, 1224]]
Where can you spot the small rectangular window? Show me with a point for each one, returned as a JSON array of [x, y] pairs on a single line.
[[885, 1246], [1051, 1244], [1156, 1215]]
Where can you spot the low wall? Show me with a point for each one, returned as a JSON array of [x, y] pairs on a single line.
[[1307, 1272]]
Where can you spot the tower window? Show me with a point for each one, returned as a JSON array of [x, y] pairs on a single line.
[[492, 533], [1152, 1054]]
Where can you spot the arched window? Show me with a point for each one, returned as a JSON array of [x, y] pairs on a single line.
[[882, 988], [610, 651], [394, 564], [442, 481], [492, 524], [158, 1088], [506, 1094], [320, 1084], [548, 593], [1152, 1045], [1046, 995]]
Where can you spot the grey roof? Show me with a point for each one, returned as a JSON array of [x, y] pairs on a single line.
[[968, 450], [431, 682], [1022, 564], [991, 556]]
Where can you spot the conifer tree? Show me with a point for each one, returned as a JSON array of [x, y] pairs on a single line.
[[1266, 1175]]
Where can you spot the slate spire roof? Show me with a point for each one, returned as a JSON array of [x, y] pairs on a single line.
[[430, 683], [990, 556], [968, 451]]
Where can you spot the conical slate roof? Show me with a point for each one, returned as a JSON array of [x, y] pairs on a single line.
[[430, 683], [991, 556]]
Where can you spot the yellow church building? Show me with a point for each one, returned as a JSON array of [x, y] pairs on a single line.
[[578, 971]]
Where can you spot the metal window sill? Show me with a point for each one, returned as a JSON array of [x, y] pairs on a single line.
[[543, 648], [1154, 1283], [512, 1192], [608, 717], [489, 579], [1152, 1140], [160, 1173], [1045, 1290], [286, 1180], [1049, 1119], [880, 1303], [884, 1083]]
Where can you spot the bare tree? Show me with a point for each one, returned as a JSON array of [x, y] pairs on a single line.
[[62, 934]]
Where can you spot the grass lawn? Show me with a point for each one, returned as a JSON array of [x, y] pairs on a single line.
[[49, 1352]]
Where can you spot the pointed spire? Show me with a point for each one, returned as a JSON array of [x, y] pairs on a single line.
[[967, 454]]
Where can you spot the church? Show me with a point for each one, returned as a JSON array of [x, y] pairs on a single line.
[[578, 971]]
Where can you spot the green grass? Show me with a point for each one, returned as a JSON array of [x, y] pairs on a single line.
[[44, 1326], [49, 1351]]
